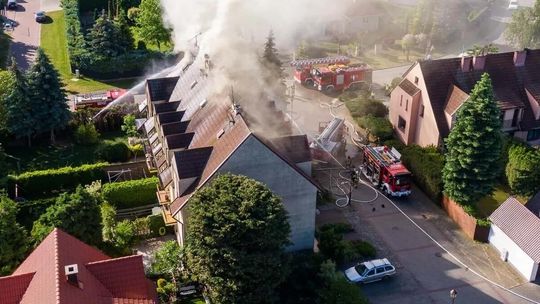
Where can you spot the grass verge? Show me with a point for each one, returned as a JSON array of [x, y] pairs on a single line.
[[489, 203], [54, 42]]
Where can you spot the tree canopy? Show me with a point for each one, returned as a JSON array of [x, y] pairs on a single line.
[[150, 23], [474, 147], [236, 237], [270, 52], [77, 213], [103, 38], [13, 237], [524, 28], [21, 108], [7, 83], [522, 170], [46, 90]]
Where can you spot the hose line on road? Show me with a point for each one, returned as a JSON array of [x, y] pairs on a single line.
[[331, 107]]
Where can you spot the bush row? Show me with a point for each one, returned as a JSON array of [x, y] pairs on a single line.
[[522, 169], [43, 183], [426, 165], [130, 194]]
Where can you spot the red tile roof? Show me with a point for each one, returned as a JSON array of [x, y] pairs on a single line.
[[508, 81], [456, 98], [520, 225], [48, 283], [12, 288]]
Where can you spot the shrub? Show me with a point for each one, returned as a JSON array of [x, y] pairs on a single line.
[[522, 170], [130, 194], [426, 166], [125, 235], [137, 150], [30, 211], [86, 134], [35, 184], [394, 143], [379, 127], [364, 249], [155, 224], [338, 227], [113, 151]]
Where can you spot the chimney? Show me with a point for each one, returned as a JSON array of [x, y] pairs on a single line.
[[71, 274], [479, 62], [519, 58], [466, 64]]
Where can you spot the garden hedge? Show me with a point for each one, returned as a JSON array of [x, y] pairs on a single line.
[[44, 183], [131, 194], [426, 165]]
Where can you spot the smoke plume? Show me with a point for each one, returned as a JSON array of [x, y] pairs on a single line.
[[233, 33]]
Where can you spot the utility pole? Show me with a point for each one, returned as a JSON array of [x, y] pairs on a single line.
[[292, 95]]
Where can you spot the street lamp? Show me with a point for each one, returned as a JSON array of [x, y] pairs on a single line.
[[453, 295]]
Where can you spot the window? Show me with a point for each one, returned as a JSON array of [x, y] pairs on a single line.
[[406, 105], [401, 101], [422, 111], [371, 272], [388, 268], [380, 270], [533, 134], [401, 123], [415, 80]]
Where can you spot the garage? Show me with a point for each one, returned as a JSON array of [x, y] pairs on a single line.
[[514, 233]]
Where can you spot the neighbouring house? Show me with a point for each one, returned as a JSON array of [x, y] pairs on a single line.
[[423, 106], [195, 133], [515, 232], [362, 17], [64, 270]]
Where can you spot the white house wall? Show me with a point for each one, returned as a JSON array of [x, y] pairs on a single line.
[[517, 257], [298, 195]]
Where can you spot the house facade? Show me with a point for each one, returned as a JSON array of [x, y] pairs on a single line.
[[514, 233], [64, 270], [423, 107], [196, 133]]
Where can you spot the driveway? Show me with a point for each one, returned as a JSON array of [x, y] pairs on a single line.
[[26, 33]]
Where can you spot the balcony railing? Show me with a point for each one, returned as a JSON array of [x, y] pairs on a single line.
[[165, 203]]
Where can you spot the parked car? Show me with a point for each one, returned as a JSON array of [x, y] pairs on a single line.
[[40, 16], [12, 4], [370, 271], [513, 5]]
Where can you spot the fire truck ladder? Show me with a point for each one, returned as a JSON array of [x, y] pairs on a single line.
[[325, 60]]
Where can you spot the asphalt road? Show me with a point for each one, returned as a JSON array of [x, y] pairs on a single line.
[[426, 272], [26, 33]]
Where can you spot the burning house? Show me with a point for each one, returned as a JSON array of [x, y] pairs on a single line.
[[196, 130]]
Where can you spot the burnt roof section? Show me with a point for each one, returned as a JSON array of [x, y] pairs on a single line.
[[179, 141], [161, 88], [295, 148], [520, 225], [170, 117], [174, 128], [166, 107], [192, 162], [508, 81], [409, 87]]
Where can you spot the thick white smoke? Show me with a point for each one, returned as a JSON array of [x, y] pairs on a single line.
[[234, 33]]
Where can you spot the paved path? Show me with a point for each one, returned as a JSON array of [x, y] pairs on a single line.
[[50, 5], [26, 34]]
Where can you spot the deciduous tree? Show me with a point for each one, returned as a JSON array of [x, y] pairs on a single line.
[[13, 237], [150, 23], [474, 147], [46, 91], [77, 213], [522, 170], [236, 237], [7, 84], [524, 28]]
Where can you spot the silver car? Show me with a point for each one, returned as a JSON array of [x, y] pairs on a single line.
[[370, 271]]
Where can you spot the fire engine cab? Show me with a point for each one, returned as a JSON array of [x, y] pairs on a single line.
[[331, 73], [97, 99], [383, 168]]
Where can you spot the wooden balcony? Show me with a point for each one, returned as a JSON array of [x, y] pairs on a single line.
[[163, 197], [167, 216]]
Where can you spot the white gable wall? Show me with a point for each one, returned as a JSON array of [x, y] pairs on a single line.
[[517, 257], [255, 160]]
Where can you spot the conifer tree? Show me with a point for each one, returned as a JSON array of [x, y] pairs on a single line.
[[474, 147], [102, 38], [20, 108], [270, 51], [47, 93], [124, 36]]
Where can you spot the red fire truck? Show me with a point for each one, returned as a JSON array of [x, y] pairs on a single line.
[[332, 73], [97, 99], [382, 166]]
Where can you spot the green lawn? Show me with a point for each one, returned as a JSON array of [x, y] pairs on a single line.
[[4, 49], [54, 42], [45, 156], [488, 204]]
